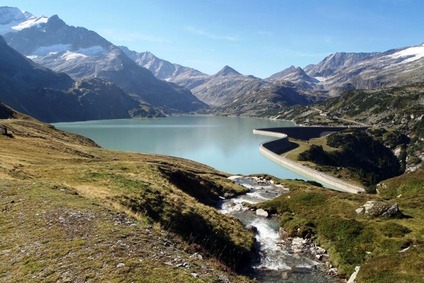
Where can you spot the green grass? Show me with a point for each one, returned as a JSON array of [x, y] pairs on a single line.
[[355, 239]]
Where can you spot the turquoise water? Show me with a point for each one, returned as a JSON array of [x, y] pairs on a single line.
[[225, 143]]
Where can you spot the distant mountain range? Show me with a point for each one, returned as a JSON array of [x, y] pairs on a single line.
[[230, 92], [84, 54], [225, 88], [166, 87], [348, 71], [51, 96]]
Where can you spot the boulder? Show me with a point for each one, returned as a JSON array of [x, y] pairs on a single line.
[[262, 213], [380, 209]]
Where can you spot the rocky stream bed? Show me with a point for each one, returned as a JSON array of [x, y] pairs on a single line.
[[279, 258]]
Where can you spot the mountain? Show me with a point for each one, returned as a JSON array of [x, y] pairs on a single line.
[[295, 75], [264, 100], [12, 19], [51, 96], [227, 71], [84, 54], [348, 71], [226, 86], [335, 62], [393, 112], [165, 70]]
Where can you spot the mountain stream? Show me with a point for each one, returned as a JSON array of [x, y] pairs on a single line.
[[276, 261]]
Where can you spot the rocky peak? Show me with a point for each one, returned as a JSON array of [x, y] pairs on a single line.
[[227, 71], [293, 74], [12, 14], [334, 62], [148, 55], [56, 22]]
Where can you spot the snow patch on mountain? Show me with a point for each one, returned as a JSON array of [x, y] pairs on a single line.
[[14, 19], [413, 53], [320, 79], [82, 53], [91, 51], [29, 23], [69, 55], [51, 49]]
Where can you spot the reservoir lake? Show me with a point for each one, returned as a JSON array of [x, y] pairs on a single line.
[[225, 143]]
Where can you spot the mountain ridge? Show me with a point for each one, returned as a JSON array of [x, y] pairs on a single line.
[[51, 96], [84, 54], [336, 73]]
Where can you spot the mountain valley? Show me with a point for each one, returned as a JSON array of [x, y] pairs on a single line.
[[73, 211]]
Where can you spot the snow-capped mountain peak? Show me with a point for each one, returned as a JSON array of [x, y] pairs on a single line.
[[30, 22], [13, 19], [12, 14]]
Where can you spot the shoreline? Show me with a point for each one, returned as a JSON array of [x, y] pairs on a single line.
[[335, 183]]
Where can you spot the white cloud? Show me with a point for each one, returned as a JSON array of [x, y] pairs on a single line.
[[209, 35]]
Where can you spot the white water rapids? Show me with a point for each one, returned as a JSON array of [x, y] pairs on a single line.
[[276, 262]]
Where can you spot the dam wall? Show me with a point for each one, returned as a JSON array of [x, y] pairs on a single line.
[[306, 133], [274, 149]]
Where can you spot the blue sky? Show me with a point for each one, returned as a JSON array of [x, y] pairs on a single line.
[[256, 37]]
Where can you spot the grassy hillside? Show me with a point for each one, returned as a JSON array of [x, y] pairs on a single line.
[[387, 249], [395, 117], [71, 211]]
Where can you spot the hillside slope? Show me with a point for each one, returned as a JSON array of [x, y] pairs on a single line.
[[73, 211], [395, 116]]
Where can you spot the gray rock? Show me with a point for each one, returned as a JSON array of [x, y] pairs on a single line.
[[380, 209], [262, 213], [360, 210], [320, 250], [195, 275], [333, 271]]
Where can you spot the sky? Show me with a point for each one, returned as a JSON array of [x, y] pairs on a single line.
[[255, 37]]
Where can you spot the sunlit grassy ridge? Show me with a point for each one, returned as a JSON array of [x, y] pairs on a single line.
[[73, 211]]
